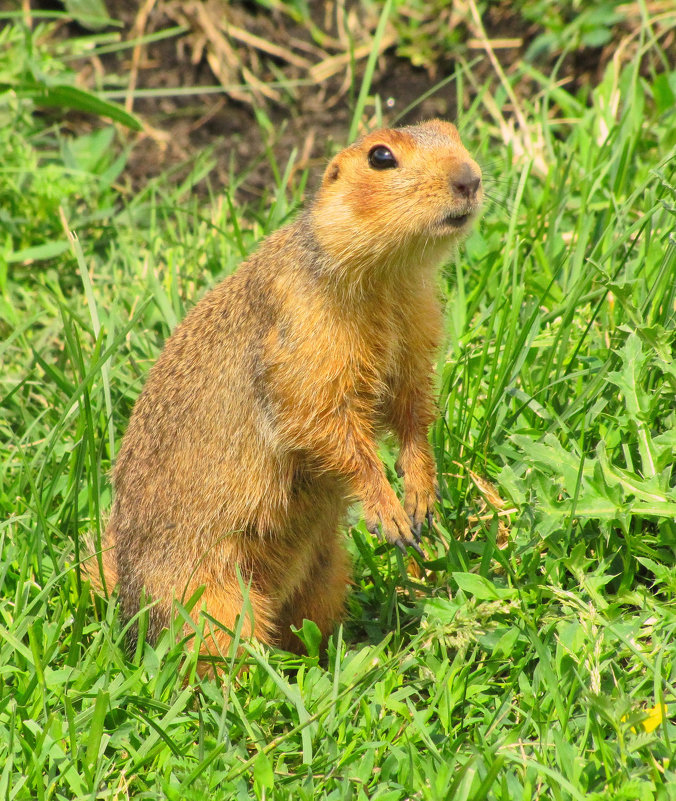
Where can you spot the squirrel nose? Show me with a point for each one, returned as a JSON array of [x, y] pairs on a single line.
[[465, 182]]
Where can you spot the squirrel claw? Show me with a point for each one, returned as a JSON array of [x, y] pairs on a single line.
[[419, 550], [417, 531], [373, 529], [430, 520], [403, 548]]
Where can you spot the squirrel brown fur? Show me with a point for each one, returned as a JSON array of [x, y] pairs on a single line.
[[258, 424]]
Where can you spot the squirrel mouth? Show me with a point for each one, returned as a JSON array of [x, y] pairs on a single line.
[[456, 220]]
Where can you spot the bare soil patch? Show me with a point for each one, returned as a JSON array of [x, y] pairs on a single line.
[[279, 83]]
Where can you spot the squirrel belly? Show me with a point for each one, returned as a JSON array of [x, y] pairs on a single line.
[[258, 424]]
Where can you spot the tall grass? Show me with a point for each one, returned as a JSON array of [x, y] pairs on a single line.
[[535, 657]]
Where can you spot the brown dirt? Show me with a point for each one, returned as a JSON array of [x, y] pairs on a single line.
[[216, 48], [312, 119]]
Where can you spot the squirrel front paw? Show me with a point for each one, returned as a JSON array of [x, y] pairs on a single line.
[[419, 506], [395, 524], [420, 492]]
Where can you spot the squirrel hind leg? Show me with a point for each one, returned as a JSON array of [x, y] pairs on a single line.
[[320, 597], [223, 603]]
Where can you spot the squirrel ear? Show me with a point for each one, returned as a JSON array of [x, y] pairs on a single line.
[[332, 172]]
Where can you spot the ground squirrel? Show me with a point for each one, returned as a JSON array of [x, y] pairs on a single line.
[[257, 425]]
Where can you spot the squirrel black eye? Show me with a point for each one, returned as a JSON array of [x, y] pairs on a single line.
[[382, 158]]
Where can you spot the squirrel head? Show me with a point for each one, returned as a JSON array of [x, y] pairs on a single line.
[[396, 193]]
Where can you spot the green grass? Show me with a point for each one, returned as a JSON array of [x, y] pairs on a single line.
[[518, 672]]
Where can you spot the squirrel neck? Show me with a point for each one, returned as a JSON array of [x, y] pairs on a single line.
[[357, 270]]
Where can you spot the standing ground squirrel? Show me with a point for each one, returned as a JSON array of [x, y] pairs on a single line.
[[258, 423]]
